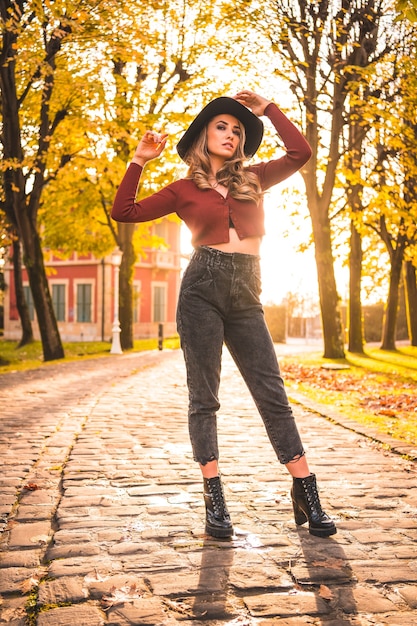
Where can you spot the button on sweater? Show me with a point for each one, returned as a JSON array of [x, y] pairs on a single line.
[[205, 211]]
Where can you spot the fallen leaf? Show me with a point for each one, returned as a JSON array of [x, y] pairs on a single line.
[[27, 585], [120, 596], [387, 412], [325, 592], [31, 487]]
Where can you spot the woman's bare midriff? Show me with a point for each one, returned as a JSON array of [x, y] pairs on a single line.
[[249, 245]]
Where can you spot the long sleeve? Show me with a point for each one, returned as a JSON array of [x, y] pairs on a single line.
[[126, 209], [298, 151]]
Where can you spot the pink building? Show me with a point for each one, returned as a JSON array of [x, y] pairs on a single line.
[[82, 289]]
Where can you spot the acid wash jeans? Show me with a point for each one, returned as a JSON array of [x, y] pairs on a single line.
[[219, 303]]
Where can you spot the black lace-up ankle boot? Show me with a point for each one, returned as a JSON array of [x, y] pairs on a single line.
[[306, 504], [218, 523]]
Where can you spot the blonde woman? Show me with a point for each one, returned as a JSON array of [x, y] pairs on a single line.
[[220, 200]]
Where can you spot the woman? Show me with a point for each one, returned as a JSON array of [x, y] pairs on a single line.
[[220, 200]]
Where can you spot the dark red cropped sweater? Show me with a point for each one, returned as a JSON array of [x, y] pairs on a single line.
[[206, 212]]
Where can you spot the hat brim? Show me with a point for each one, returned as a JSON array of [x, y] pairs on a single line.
[[254, 127]]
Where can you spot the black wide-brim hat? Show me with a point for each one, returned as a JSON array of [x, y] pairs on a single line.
[[254, 127]]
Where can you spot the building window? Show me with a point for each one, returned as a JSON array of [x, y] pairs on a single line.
[[58, 301], [159, 303], [84, 302], [29, 301], [136, 293]]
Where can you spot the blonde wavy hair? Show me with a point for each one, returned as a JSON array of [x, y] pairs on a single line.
[[241, 184]]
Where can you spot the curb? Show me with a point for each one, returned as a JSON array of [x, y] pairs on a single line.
[[396, 446]]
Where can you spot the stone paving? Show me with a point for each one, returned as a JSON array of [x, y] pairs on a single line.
[[102, 514]]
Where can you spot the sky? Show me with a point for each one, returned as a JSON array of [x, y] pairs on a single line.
[[284, 268]]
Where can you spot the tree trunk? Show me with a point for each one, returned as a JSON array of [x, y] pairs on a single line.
[[33, 259], [21, 304], [329, 299], [354, 191], [125, 238], [409, 270], [355, 277], [391, 310], [410, 282]]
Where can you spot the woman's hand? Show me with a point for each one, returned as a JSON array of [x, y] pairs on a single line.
[[257, 104], [149, 147]]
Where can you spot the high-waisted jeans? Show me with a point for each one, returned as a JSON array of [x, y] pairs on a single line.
[[219, 303]]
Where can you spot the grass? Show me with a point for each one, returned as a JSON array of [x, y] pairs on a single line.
[[377, 389], [30, 356]]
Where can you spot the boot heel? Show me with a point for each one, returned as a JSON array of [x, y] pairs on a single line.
[[299, 516]]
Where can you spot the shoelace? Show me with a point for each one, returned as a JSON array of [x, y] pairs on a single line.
[[313, 498], [217, 496]]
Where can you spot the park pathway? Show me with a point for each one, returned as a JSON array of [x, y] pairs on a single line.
[[102, 515]]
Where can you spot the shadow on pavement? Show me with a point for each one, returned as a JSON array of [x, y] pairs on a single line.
[[211, 602], [325, 570]]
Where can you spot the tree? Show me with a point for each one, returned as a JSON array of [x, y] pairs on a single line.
[[19, 175], [410, 283], [354, 192], [33, 110], [357, 129], [409, 163], [333, 45], [315, 46], [156, 79], [410, 256], [389, 171], [49, 94], [153, 70]]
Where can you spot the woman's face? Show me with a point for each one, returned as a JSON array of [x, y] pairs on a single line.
[[223, 136]]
